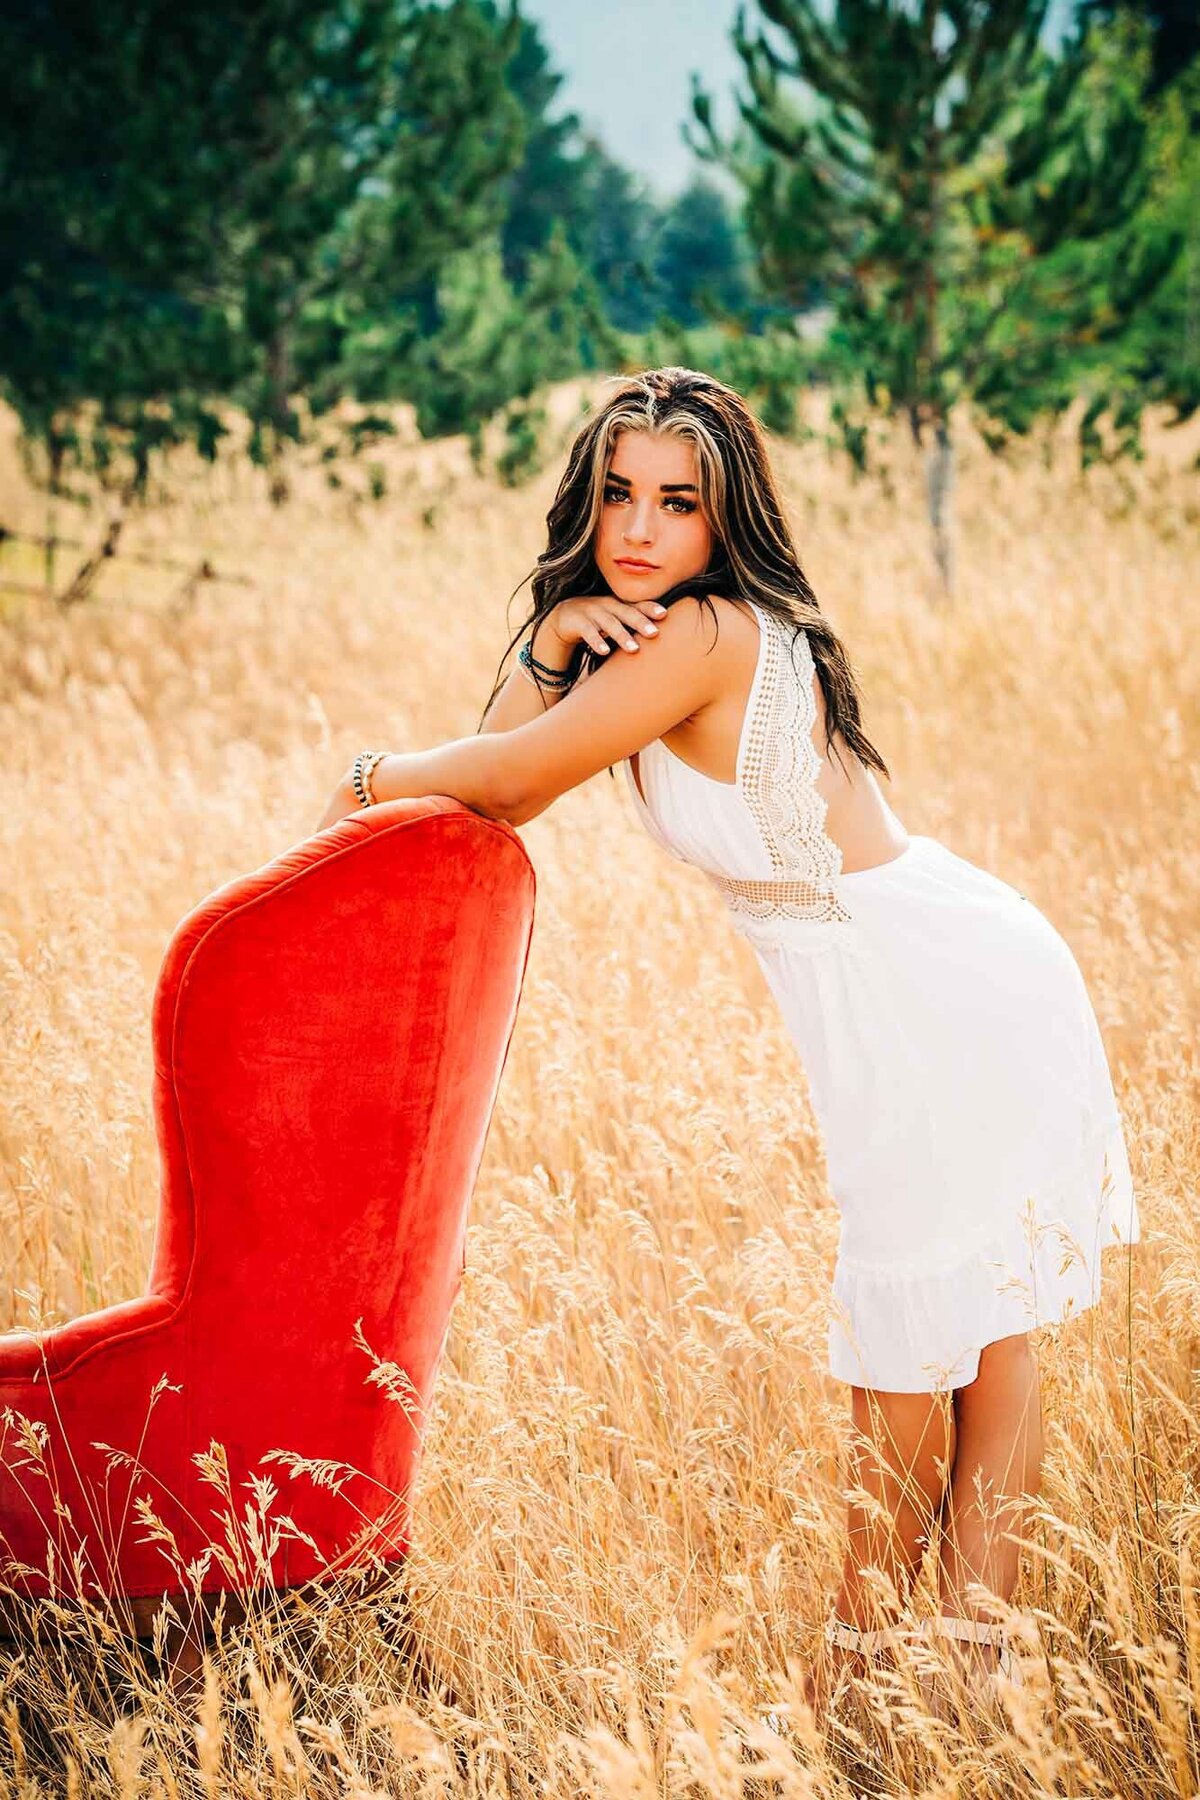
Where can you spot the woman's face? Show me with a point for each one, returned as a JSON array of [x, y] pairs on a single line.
[[651, 515]]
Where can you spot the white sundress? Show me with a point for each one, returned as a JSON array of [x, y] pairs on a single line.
[[973, 1143]]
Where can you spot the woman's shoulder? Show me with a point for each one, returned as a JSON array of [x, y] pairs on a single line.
[[725, 630], [705, 610]]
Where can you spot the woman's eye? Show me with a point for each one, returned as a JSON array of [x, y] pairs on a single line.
[[676, 500]]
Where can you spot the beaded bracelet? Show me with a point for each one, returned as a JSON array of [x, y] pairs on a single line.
[[364, 764], [541, 673], [529, 675], [541, 668]]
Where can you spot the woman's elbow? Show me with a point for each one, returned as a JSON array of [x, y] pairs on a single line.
[[526, 810], [511, 809]]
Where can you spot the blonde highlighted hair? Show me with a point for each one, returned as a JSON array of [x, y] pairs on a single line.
[[753, 555]]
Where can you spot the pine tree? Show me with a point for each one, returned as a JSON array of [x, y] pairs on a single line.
[[491, 346], [1174, 35], [702, 259], [206, 200], [1153, 47], [953, 186]]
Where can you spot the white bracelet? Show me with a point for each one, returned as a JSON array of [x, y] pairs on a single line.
[[364, 766]]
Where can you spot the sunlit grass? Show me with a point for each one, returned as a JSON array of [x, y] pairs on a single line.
[[628, 1517]]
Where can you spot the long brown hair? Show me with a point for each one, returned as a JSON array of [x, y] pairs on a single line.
[[753, 556]]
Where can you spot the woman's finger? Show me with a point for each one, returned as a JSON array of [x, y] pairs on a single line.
[[643, 612], [619, 631]]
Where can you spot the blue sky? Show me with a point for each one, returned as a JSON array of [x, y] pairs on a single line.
[[627, 65]]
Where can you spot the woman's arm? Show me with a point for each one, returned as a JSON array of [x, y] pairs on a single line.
[[515, 774], [622, 706], [465, 768], [518, 700]]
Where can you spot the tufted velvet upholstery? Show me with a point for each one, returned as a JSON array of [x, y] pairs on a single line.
[[329, 1035]]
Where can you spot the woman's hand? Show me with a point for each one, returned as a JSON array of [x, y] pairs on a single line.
[[595, 617]]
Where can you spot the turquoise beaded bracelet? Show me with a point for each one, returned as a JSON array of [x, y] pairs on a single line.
[[541, 672]]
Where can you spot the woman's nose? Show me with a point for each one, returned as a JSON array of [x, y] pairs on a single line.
[[637, 527]]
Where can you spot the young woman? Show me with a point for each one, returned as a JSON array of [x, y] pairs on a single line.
[[973, 1142]]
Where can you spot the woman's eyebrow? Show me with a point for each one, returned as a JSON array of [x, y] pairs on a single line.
[[666, 487]]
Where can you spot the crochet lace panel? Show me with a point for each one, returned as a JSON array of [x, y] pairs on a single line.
[[780, 769]]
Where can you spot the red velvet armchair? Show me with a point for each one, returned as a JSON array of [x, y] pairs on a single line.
[[329, 1036]]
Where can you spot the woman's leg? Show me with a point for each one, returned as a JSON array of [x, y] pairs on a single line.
[[997, 1463], [901, 1452]]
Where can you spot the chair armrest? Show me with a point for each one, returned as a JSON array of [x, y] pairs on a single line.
[[24, 1355]]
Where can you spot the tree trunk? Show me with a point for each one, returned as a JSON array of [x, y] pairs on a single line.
[[279, 378], [56, 449], [939, 472]]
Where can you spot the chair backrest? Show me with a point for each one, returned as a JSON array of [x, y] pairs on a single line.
[[329, 1035]]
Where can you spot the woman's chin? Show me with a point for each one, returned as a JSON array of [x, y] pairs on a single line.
[[626, 586]]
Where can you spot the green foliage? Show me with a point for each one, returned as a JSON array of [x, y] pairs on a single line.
[[522, 454], [276, 207], [545, 189], [614, 224], [219, 200], [971, 206], [490, 344], [268, 209], [1174, 31], [687, 259], [770, 367], [1158, 358], [702, 260]]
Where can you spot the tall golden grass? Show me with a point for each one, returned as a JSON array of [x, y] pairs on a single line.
[[630, 1505]]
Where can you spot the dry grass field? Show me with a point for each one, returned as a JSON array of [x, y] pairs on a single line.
[[629, 1512]]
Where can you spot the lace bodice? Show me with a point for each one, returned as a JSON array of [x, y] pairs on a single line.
[[760, 839]]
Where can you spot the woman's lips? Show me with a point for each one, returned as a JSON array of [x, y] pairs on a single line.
[[637, 568]]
